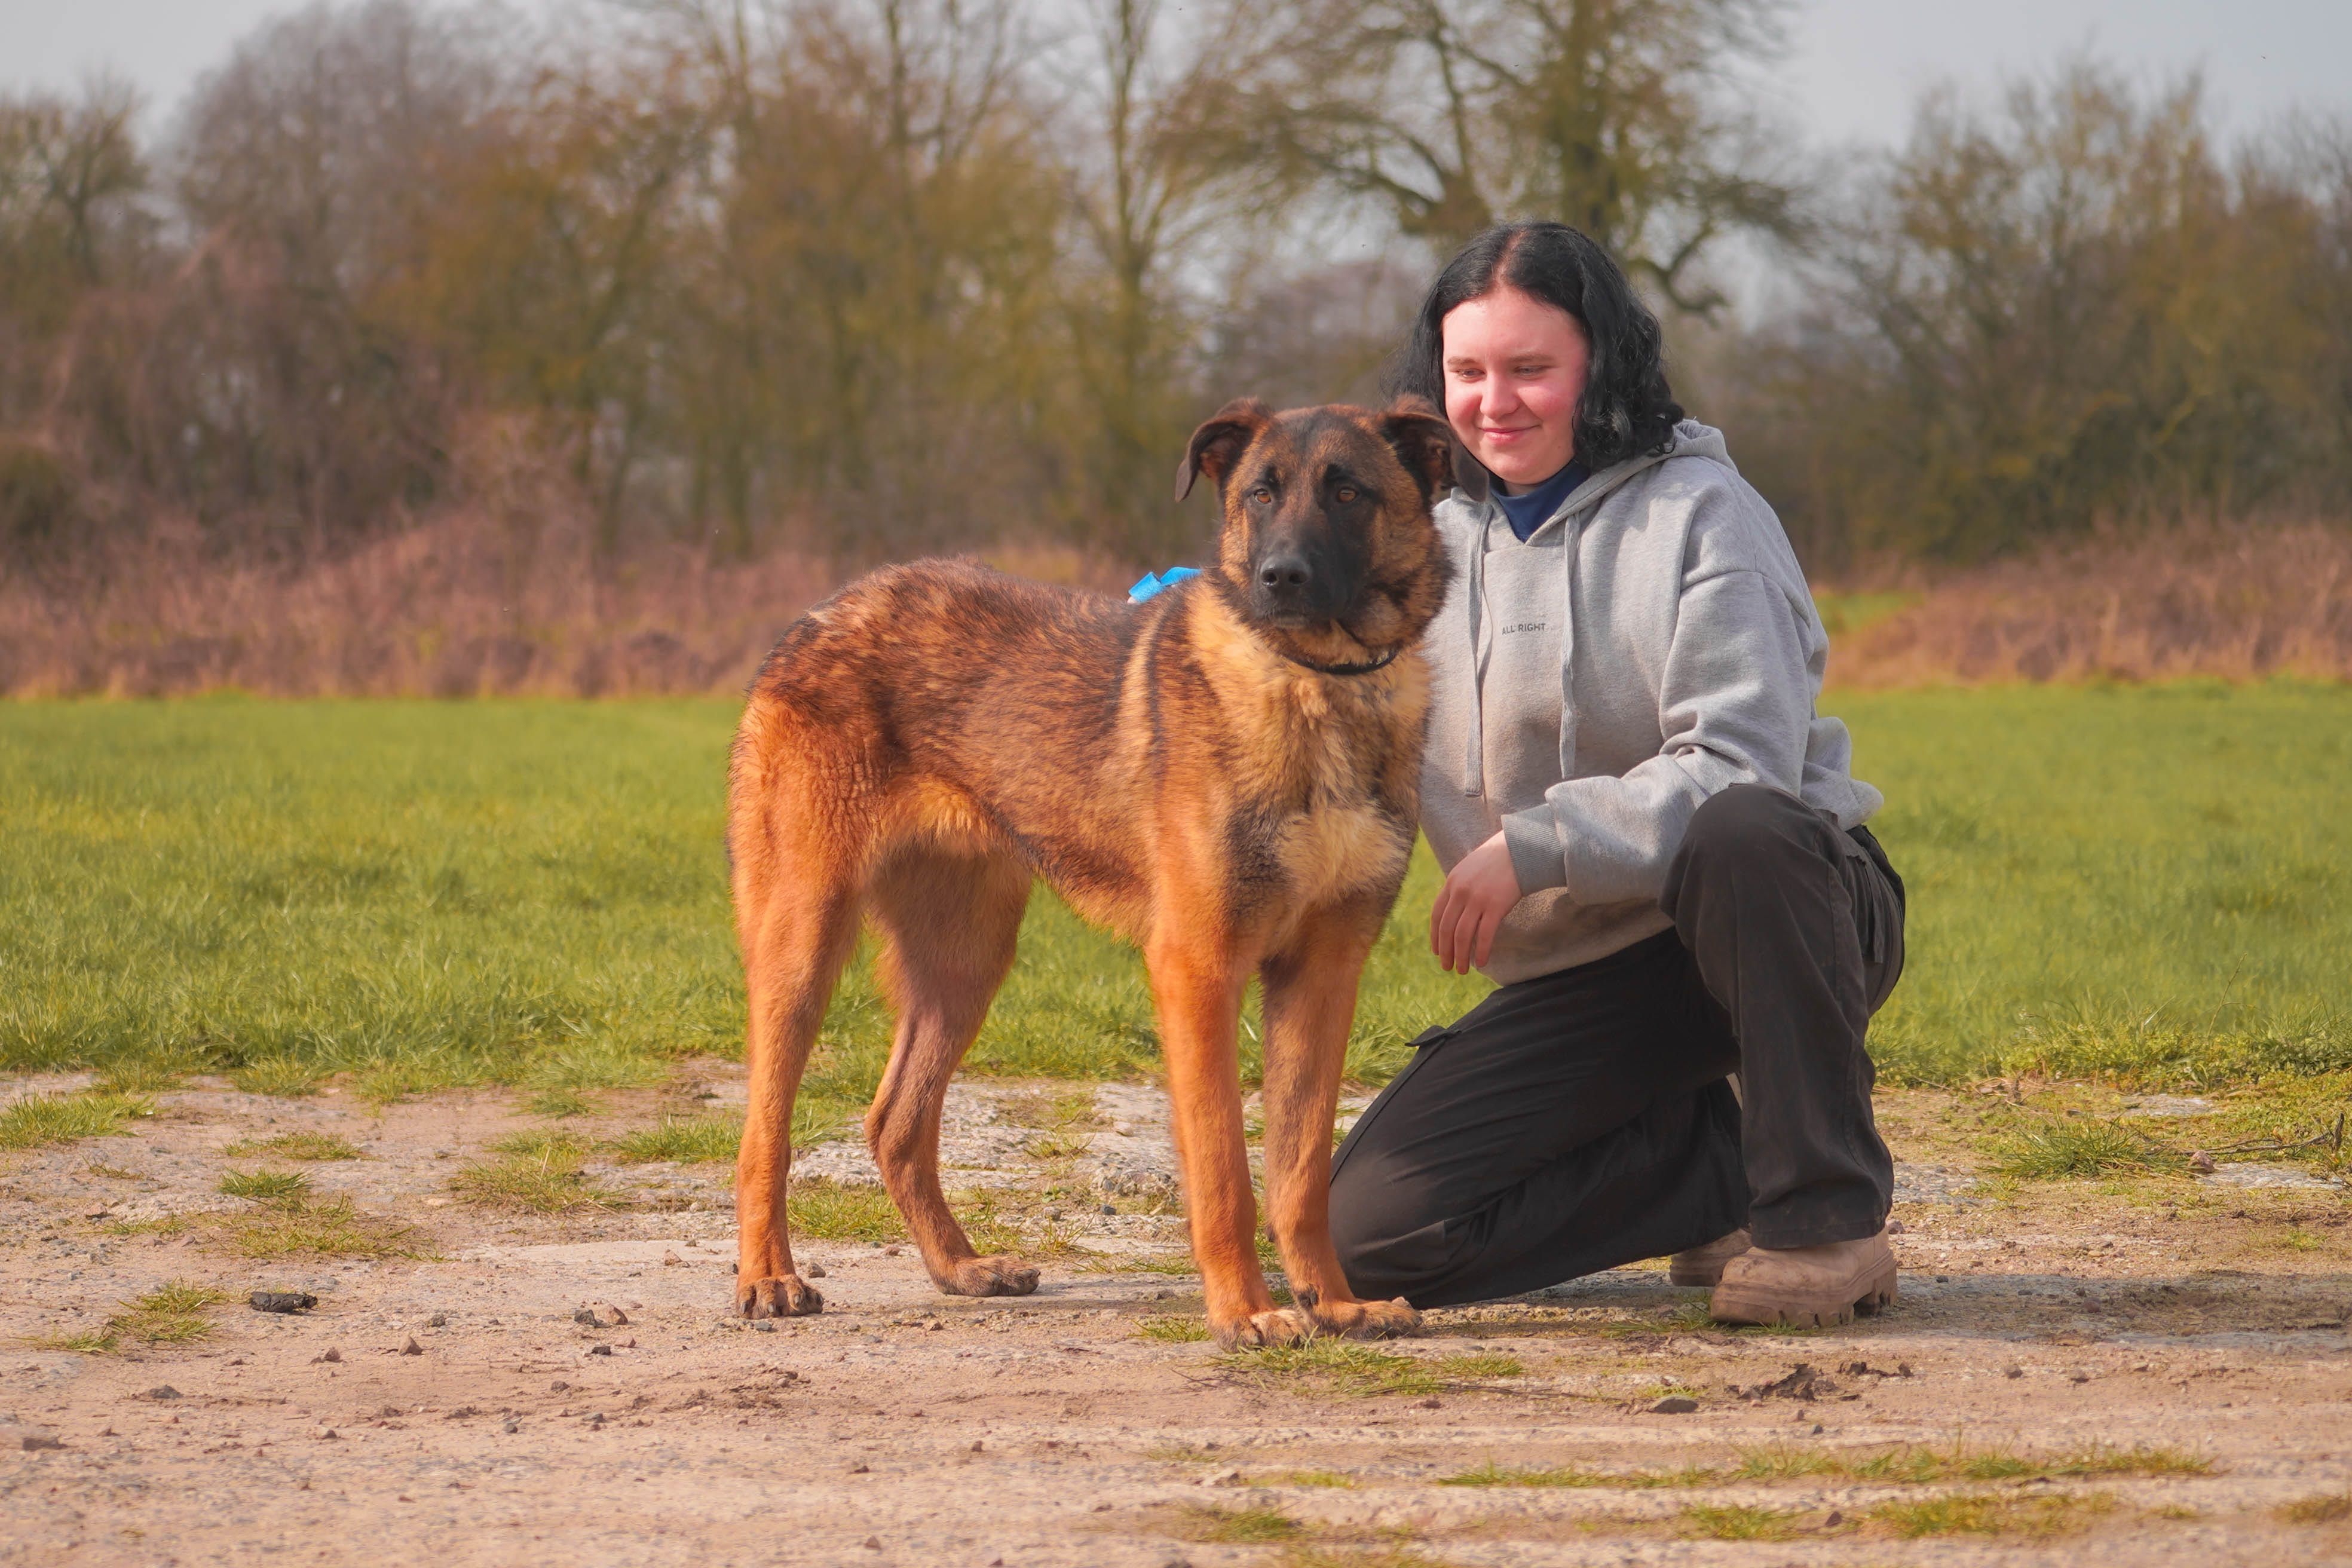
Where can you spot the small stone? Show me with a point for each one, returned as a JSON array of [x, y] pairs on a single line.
[[2200, 1161], [603, 1315], [2014, 1372], [933, 1327], [1428, 1405], [329, 1353], [282, 1300], [2078, 1377], [600, 1349], [326, 1435], [27, 1438], [975, 1448], [860, 1468], [890, 1252], [1895, 1227], [412, 1347], [1903, 1369], [1674, 1404], [761, 1327], [511, 1427], [814, 1271], [438, 1321], [1834, 1520], [162, 1391], [873, 1543], [1107, 1208], [671, 1260], [558, 1386]]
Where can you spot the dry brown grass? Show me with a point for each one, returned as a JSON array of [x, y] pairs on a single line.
[[506, 597], [509, 598], [2238, 603]]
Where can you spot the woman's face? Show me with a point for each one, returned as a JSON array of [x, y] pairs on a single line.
[[1513, 371]]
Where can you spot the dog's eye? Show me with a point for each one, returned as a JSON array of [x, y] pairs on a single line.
[[1344, 493], [1262, 496]]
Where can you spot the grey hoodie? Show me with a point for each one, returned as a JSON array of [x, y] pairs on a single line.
[[1652, 643]]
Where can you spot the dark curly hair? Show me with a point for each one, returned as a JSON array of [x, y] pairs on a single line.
[[1627, 409]]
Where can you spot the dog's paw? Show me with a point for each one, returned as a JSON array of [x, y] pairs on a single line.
[[1367, 1320], [1282, 1326], [997, 1275], [789, 1296]]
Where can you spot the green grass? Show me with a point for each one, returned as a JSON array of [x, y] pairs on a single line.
[[686, 1140], [2083, 1146], [2320, 1508], [1738, 1522], [1906, 1464], [299, 1228], [267, 1186], [841, 1211], [536, 1173], [2149, 884], [176, 1314], [295, 1146], [1987, 1513], [1339, 1366], [61, 1119], [1242, 1527], [1172, 1331]]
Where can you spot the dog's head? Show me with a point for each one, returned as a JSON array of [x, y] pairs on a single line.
[[1327, 550]]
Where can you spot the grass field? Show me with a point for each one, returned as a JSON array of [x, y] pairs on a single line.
[[2150, 881]]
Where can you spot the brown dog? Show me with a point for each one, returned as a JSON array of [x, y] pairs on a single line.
[[1227, 774]]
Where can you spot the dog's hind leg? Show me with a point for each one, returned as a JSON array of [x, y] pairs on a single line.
[[799, 922], [949, 922], [1310, 1003]]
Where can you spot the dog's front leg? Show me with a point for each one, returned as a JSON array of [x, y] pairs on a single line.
[[1198, 997], [1310, 1003]]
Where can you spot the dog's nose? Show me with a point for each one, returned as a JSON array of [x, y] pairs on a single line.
[[1285, 576]]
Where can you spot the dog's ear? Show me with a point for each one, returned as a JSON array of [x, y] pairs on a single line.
[[1425, 444], [1217, 443]]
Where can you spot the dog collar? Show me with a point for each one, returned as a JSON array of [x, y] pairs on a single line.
[[1367, 668]]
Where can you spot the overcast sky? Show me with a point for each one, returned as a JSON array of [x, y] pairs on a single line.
[[1855, 70]]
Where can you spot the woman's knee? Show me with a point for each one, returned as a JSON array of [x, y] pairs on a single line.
[[1747, 828]]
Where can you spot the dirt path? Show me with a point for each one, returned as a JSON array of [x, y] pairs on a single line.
[[2042, 1334]]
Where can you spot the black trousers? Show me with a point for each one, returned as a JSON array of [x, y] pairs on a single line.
[[1584, 1119]]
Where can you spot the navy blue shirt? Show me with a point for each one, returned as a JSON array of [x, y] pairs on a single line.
[[1530, 510]]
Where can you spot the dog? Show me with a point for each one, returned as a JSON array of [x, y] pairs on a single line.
[[1226, 773]]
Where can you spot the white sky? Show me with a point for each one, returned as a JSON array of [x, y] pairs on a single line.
[[1855, 69]]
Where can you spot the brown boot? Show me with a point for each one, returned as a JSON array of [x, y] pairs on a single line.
[[1806, 1287], [1704, 1265]]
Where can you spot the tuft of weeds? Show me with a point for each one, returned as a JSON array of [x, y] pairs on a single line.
[[295, 1146], [1303, 1555], [1913, 1465], [1339, 1366], [2083, 1146], [288, 1078], [688, 1141], [1065, 1144], [1173, 1329], [537, 1172], [1474, 1365], [1242, 1527], [1331, 1478], [1739, 1523], [1493, 1475], [558, 1104], [1988, 1513], [61, 1119], [828, 1210], [331, 1229], [2321, 1507], [176, 1314], [146, 1075], [267, 1186]]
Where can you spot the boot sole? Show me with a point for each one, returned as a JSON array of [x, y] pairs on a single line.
[[1779, 1312]]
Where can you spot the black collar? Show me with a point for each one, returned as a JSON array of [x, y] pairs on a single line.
[[1367, 668]]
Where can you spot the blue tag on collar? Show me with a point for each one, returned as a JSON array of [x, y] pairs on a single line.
[[1152, 582]]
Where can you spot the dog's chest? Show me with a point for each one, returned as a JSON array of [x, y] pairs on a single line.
[[1331, 851]]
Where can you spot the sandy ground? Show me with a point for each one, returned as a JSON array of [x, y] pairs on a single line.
[[452, 1410]]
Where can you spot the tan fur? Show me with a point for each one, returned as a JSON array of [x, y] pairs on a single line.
[[919, 748]]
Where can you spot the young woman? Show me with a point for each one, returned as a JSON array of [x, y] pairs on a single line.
[[1651, 840]]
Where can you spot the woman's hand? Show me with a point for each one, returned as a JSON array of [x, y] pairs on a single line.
[[1472, 905]]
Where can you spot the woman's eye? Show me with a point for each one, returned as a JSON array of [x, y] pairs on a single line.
[[1345, 493]]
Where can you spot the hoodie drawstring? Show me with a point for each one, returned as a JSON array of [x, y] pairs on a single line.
[[1474, 767]]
